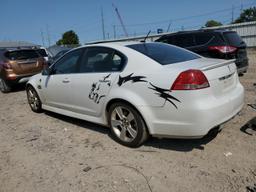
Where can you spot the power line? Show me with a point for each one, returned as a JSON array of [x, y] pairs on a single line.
[[102, 22], [188, 17], [48, 35], [114, 29], [232, 14]]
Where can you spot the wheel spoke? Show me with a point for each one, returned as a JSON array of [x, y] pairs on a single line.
[[123, 133], [115, 123], [36, 102], [131, 131], [119, 112], [1, 84], [31, 94], [130, 117]]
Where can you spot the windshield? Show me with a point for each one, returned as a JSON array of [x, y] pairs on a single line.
[[163, 53]]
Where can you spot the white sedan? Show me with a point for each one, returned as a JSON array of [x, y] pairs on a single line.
[[140, 89]]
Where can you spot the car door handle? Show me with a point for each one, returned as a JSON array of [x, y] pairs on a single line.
[[65, 81]]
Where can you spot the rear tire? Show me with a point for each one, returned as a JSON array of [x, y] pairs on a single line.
[[4, 87], [127, 126], [34, 100]]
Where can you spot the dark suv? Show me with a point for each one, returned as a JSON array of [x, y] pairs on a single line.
[[17, 65], [220, 44]]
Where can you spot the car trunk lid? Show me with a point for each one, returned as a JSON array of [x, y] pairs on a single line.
[[221, 74]]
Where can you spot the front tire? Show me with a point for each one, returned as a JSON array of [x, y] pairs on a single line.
[[126, 124], [34, 100], [4, 87]]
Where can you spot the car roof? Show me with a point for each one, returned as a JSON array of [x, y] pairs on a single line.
[[121, 43], [197, 31]]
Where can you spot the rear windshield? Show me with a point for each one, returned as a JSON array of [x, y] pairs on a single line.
[[233, 38], [163, 53], [22, 54], [42, 52]]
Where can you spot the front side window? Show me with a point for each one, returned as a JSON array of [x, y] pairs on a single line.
[[100, 59], [68, 64]]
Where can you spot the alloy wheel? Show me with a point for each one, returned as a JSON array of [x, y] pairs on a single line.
[[33, 99], [124, 124]]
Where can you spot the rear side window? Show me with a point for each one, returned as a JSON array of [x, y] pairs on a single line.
[[203, 38], [22, 55], [163, 53], [166, 39], [186, 40], [233, 38], [101, 59]]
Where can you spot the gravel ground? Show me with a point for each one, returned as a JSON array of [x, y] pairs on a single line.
[[50, 152]]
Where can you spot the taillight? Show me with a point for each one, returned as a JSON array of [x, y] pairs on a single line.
[[5, 65], [223, 49], [190, 80]]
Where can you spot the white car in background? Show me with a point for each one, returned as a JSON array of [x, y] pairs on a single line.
[[140, 89]]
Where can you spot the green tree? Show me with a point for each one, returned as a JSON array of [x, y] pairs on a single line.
[[212, 23], [247, 15], [68, 38]]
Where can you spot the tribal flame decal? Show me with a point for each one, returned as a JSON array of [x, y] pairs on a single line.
[[132, 78], [164, 93]]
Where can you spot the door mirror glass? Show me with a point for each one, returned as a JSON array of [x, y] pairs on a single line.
[[46, 70]]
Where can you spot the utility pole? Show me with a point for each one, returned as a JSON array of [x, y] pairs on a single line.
[[42, 36], [168, 28], [114, 29], [232, 17], [242, 6], [48, 35], [120, 19], [103, 26]]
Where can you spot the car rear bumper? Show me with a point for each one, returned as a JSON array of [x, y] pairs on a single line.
[[242, 65], [17, 79], [193, 120], [242, 70]]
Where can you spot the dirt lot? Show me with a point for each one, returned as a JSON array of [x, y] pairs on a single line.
[[49, 152]]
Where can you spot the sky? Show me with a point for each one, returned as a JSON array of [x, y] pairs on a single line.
[[44, 21]]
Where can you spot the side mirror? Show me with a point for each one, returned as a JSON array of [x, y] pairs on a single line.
[[46, 70]]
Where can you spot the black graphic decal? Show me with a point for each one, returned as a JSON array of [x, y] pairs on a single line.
[[164, 93], [95, 89], [105, 80], [99, 98], [134, 79]]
